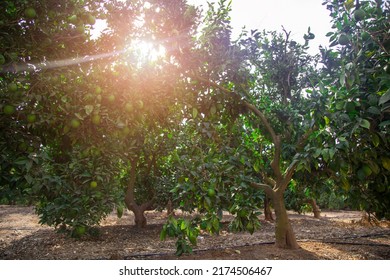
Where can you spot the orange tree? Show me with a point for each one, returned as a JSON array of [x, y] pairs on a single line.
[[255, 85], [44, 80], [299, 119], [79, 115], [356, 77]]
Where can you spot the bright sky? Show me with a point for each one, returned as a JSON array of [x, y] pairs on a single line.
[[295, 15]]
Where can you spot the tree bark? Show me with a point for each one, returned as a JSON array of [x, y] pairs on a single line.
[[267, 209], [139, 216], [316, 209], [138, 210], [284, 234], [170, 209]]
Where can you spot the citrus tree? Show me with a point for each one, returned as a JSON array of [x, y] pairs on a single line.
[[356, 78], [82, 114], [258, 80]]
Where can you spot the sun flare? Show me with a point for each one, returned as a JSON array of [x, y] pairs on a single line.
[[144, 51]]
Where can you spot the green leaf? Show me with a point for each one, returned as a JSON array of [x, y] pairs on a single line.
[[386, 163], [79, 116], [88, 109], [374, 110], [325, 154], [365, 123], [375, 140], [385, 123], [327, 120], [215, 224], [384, 98], [345, 183], [256, 166], [194, 112], [21, 161], [192, 237], [317, 153], [332, 152], [342, 78]]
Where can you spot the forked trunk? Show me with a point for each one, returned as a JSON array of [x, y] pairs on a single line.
[[284, 234], [138, 210], [131, 204]]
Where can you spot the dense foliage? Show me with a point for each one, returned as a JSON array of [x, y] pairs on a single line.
[[159, 109]]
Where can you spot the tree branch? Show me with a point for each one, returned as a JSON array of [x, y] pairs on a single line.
[[275, 138], [266, 188]]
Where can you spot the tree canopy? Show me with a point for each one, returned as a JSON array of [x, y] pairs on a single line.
[[164, 107]]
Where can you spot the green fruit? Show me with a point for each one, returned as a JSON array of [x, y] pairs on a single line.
[[30, 13], [367, 170], [129, 107], [80, 29], [365, 36], [211, 192], [343, 40], [98, 90], [140, 104], [359, 14], [93, 184], [111, 98], [73, 19], [91, 20], [96, 119], [9, 109], [12, 87], [75, 123], [2, 59], [31, 118]]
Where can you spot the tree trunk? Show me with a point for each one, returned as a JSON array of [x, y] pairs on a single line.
[[316, 209], [170, 209], [267, 209], [131, 204], [284, 234], [139, 216]]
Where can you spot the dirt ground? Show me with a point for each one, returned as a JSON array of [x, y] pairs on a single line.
[[337, 235]]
